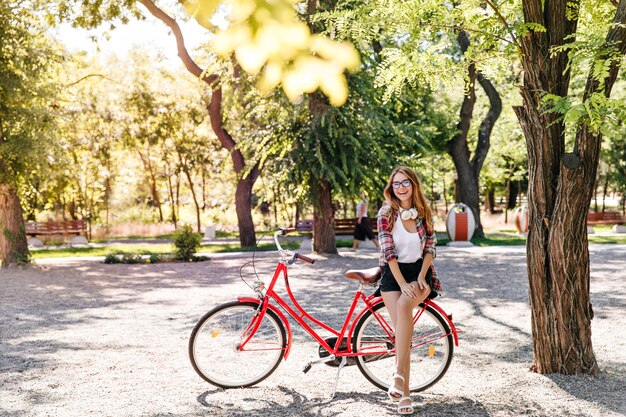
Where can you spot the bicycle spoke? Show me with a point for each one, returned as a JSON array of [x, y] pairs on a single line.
[[216, 345]]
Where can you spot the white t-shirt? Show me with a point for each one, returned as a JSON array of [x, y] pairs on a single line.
[[359, 207], [408, 245]]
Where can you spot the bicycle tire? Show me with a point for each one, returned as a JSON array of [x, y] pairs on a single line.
[[429, 361], [213, 346]]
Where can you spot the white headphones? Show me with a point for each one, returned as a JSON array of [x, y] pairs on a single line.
[[408, 214]]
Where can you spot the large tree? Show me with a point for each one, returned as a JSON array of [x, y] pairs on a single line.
[[246, 176], [551, 40], [561, 181], [422, 43], [469, 165], [26, 65]]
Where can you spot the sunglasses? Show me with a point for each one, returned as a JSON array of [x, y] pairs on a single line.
[[405, 184]]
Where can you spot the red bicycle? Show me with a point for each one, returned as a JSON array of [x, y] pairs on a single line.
[[240, 343]]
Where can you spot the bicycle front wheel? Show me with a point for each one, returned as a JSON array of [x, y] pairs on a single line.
[[431, 349], [214, 346]]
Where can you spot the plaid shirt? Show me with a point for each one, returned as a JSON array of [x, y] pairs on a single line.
[[388, 249]]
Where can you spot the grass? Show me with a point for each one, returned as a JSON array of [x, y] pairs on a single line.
[[618, 240], [117, 248], [151, 248], [510, 238], [495, 238]]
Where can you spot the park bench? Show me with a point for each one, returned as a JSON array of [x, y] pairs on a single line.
[[304, 225], [53, 227], [342, 226], [607, 217]]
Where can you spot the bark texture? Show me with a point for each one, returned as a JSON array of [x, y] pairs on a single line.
[[559, 195], [13, 245], [324, 221]]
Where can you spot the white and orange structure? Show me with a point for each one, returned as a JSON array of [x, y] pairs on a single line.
[[521, 219], [460, 223]]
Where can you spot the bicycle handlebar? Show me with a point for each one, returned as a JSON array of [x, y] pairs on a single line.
[[305, 258], [296, 255]]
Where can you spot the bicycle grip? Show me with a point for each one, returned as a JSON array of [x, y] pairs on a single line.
[[305, 258], [286, 230]]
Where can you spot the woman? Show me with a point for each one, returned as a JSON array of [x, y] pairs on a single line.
[[407, 240]]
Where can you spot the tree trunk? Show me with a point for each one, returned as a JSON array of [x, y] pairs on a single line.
[[185, 168], [152, 182], [559, 193], [324, 220], [13, 245], [243, 204], [490, 200], [513, 193], [243, 201], [606, 187], [468, 169], [168, 173]]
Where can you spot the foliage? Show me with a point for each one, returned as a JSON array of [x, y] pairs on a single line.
[[263, 36], [124, 258], [28, 89], [266, 37], [355, 147], [186, 242]]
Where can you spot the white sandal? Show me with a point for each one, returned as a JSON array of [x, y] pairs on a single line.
[[405, 409], [395, 394]]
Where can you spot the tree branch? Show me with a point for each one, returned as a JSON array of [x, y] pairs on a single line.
[[88, 76], [482, 32], [484, 132], [616, 36], [2, 138], [503, 20], [215, 105], [189, 63]]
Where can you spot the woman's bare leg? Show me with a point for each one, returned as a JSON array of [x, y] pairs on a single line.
[[391, 302], [404, 333]]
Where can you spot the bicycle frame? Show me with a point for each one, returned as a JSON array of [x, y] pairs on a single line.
[[347, 328]]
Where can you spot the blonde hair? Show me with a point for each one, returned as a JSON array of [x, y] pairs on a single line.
[[418, 197]]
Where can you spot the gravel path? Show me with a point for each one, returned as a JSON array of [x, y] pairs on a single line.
[[80, 338]]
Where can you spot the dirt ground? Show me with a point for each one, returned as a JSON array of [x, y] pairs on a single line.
[[81, 338]]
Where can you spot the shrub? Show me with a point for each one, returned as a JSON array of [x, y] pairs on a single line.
[[111, 258], [186, 243], [123, 258]]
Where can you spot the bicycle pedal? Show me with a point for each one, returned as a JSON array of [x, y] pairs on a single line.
[[307, 368]]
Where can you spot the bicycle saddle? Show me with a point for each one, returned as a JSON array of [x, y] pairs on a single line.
[[367, 276]]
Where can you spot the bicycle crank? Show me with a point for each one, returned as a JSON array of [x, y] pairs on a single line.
[[323, 353]]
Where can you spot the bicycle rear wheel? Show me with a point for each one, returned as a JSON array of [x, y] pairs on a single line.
[[431, 349], [214, 345]]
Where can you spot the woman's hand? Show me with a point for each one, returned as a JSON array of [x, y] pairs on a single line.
[[409, 289], [421, 282]]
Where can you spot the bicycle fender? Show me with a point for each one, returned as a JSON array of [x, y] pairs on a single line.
[[279, 314], [446, 318]]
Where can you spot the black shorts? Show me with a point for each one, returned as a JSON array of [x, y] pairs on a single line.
[[363, 229], [409, 272]]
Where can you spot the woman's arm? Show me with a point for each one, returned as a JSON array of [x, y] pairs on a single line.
[[421, 278], [385, 237], [406, 288]]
